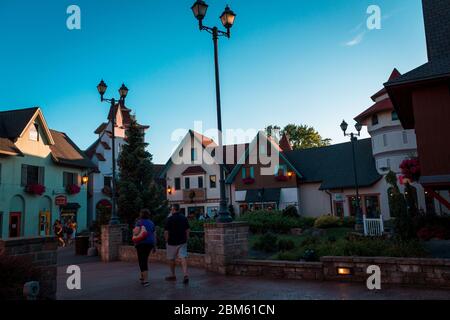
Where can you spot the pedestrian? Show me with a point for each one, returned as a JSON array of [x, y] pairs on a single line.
[[176, 234], [69, 231], [145, 243], [58, 230]]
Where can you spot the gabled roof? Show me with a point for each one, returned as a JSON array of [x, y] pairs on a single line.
[[101, 128], [394, 75], [194, 170], [92, 149], [332, 166], [66, 152]]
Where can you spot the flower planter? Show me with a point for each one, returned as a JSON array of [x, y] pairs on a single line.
[[35, 189], [248, 181], [73, 189], [282, 178]]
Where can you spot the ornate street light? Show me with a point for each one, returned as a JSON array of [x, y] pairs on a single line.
[[353, 139], [199, 8], [123, 91]]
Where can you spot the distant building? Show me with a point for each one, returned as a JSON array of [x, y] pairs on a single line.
[[100, 152], [421, 99], [39, 166]]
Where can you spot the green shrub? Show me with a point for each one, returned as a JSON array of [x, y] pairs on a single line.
[[272, 221], [196, 225], [348, 222], [310, 255], [160, 241], [328, 221], [309, 241], [196, 244], [288, 256], [291, 211], [285, 245], [267, 243]]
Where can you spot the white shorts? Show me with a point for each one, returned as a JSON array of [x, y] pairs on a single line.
[[179, 251]]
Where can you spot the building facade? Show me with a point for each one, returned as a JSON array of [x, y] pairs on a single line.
[[100, 153], [41, 176]]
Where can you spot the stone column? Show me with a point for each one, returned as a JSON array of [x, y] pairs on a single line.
[[111, 241], [224, 243]]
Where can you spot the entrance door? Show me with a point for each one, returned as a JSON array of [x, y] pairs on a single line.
[[339, 208], [15, 219], [44, 223]]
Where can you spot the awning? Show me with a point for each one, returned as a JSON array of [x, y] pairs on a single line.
[[263, 195]]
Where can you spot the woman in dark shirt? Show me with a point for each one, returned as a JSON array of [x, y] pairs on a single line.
[[145, 246]]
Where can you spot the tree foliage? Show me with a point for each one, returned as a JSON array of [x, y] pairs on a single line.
[[300, 136], [136, 185]]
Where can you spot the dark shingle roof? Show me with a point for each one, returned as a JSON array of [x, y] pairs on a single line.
[[13, 122], [332, 165], [66, 152]]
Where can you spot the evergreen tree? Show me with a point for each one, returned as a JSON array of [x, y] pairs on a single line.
[[136, 185]]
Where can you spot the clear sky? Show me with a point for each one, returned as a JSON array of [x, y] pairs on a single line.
[[303, 61]]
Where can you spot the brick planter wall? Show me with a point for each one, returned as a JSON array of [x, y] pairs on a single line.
[[404, 271], [128, 254], [42, 252], [278, 269], [111, 239]]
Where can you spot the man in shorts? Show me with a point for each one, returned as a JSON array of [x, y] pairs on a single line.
[[176, 234]]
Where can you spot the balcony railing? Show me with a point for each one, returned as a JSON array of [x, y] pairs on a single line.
[[194, 195]]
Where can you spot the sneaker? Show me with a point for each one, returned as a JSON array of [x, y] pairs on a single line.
[[171, 278], [186, 280], [145, 284]]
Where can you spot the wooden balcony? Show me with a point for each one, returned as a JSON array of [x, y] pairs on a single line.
[[194, 195]]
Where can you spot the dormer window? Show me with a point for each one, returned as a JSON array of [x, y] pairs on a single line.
[[374, 120], [34, 132]]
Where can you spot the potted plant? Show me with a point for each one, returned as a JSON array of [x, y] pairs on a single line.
[[73, 189], [35, 189]]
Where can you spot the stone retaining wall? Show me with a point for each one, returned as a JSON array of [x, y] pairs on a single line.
[[128, 254], [41, 251]]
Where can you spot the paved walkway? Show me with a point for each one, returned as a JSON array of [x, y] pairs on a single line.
[[118, 280]]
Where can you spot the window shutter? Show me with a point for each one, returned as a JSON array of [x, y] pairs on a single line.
[[23, 180], [243, 173], [252, 172], [41, 174]]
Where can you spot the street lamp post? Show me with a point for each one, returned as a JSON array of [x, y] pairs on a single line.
[[123, 91], [353, 139], [199, 8]]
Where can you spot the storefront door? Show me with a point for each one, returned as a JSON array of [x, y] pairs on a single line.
[[44, 223], [15, 219]]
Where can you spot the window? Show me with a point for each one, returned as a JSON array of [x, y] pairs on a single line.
[[69, 178], [372, 206], [374, 120], [34, 132], [180, 153], [405, 137], [213, 153], [32, 175], [394, 116], [193, 154], [187, 183], [177, 183], [212, 182], [281, 169], [244, 173], [252, 172], [107, 182], [385, 143], [200, 182]]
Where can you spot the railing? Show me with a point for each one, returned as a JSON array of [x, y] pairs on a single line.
[[373, 227], [194, 195]]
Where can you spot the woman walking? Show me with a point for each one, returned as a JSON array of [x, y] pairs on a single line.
[[58, 230], [145, 242]]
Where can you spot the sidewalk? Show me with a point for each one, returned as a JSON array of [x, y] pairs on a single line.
[[119, 281]]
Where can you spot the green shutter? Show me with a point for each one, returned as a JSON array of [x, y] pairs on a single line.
[[23, 178]]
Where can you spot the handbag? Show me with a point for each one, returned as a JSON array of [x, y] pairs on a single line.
[[139, 234]]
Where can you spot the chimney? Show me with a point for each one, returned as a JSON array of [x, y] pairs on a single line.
[[437, 28]]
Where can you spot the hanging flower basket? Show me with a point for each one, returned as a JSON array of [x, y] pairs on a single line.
[[410, 169], [248, 181], [35, 189], [73, 189]]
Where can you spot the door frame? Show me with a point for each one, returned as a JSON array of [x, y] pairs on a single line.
[[48, 216], [19, 224]]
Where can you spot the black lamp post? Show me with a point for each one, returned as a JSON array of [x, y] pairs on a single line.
[[353, 139], [199, 8], [123, 91]]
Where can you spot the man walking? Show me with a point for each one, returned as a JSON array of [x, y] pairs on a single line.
[[176, 234]]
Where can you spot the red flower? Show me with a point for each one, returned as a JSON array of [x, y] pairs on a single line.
[[73, 189], [410, 169], [36, 189]]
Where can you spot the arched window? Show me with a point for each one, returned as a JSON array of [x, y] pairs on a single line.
[[374, 119]]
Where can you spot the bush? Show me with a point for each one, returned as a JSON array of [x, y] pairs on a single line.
[[267, 243], [288, 256], [160, 241], [328, 221], [14, 273], [310, 255], [348, 222], [272, 221], [196, 225], [291, 211], [285, 245], [196, 244]]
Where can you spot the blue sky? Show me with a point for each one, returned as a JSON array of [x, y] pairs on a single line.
[[304, 61]]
